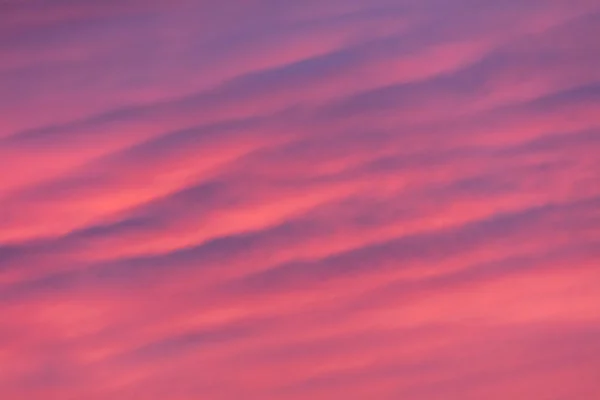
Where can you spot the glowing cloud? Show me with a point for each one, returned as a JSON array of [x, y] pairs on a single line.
[[316, 200]]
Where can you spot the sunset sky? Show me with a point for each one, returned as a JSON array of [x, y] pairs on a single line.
[[299, 200]]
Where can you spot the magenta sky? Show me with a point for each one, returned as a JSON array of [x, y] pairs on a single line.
[[290, 200]]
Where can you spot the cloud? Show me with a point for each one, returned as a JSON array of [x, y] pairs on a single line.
[[338, 199]]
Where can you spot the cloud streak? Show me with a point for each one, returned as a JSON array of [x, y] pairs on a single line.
[[333, 200]]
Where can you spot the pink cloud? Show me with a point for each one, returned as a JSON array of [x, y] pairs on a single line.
[[339, 199]]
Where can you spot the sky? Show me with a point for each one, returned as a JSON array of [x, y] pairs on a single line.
[[289, 200]]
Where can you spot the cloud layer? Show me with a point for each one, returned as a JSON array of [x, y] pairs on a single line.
[[313, 200]]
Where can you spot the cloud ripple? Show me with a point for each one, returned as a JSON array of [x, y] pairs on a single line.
[[327, 200]]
